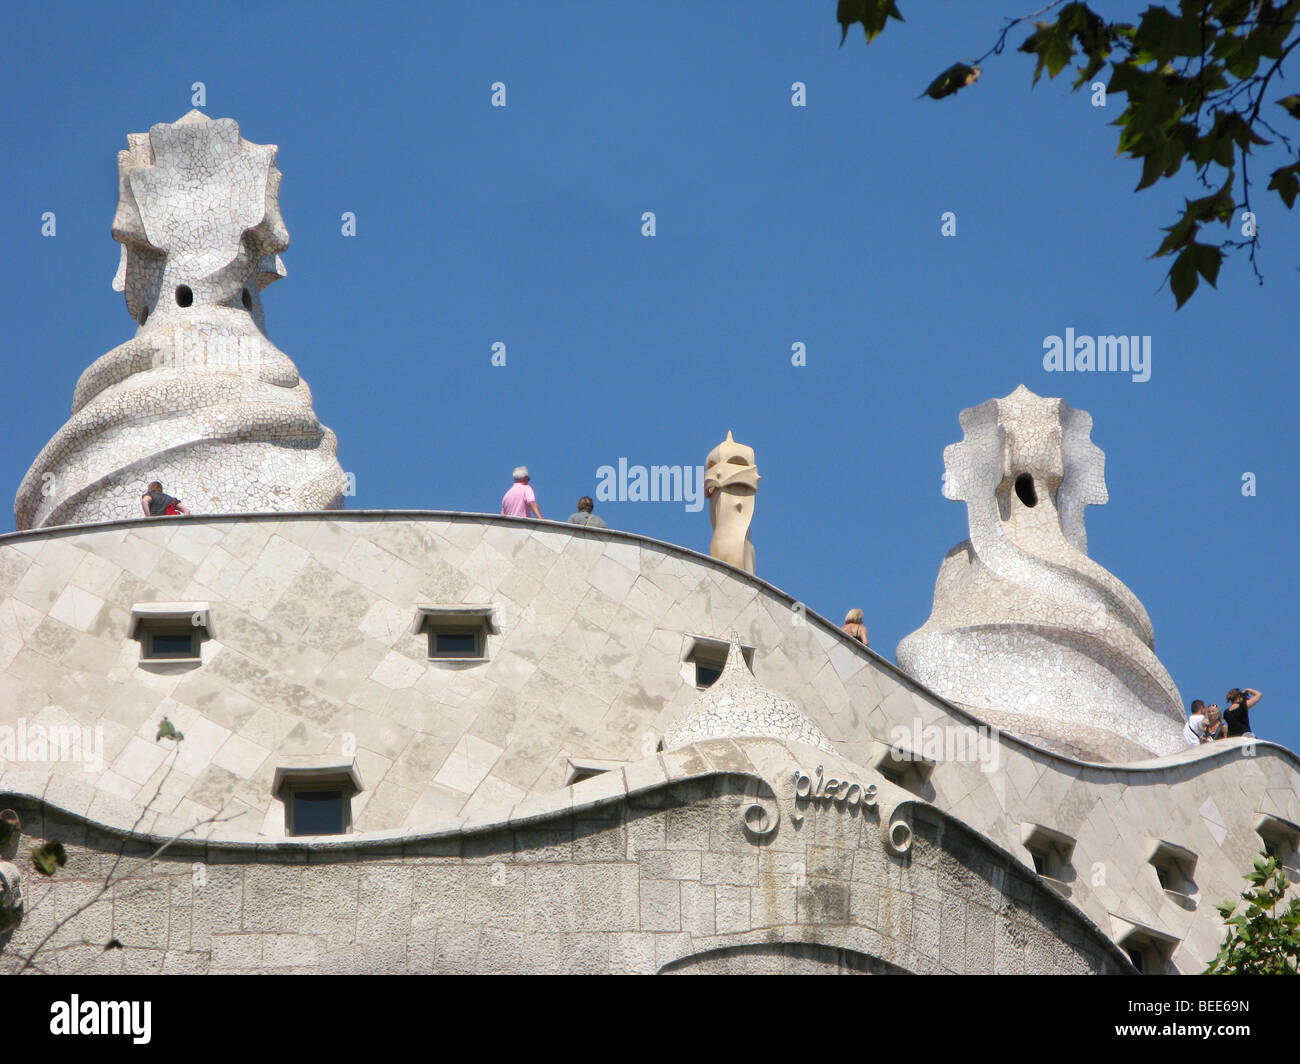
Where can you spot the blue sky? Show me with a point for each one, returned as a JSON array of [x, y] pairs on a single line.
[[775, 225]]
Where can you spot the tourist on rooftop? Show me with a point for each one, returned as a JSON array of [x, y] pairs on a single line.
[[1241, 700], [1194, 729], [520, 498], [1214, 726], [584, 516], [156, 503], [854, 626]]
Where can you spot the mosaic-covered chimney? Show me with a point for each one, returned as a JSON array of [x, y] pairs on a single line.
[[1027, 631], [199, 398]]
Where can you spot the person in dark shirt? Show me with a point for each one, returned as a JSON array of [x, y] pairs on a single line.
[[1241, 700], [157, 503], [584, 516]]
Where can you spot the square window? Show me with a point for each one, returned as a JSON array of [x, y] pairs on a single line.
[[1150, 951], [317, 793], [164, 645], [170, 632], [318, 813], [706, 657], [1280, 838], [456, 633], [1175, 868], [706, 675], [1052, 853], [900, 766], [454, 644]]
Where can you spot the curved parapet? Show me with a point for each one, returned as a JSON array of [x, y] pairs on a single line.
[[658, 866], [1028, 631], [199, 399]]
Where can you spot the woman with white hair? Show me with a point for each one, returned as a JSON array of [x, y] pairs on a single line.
[[854, 626]]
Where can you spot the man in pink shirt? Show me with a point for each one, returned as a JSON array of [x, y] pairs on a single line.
[[520, 498]]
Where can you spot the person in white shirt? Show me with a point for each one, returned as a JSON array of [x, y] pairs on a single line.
[[1194, 729]]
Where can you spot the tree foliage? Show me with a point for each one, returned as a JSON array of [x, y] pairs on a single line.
[[1195, 77], [1264, 937]]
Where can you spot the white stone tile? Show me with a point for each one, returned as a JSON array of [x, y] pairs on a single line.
[[77, 608], [397, 671], [114, 784], [240, 756], [281, 560], [139, 760], [469, 762]]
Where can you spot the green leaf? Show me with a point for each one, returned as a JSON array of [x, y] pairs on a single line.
[[1286, 182], [1242, 62], [1258, 942], [1292, 104], [873, 14], [49, 856], [1165, 36], [1152, 167], [1051, 43], [1182, 277], [1180, 233]]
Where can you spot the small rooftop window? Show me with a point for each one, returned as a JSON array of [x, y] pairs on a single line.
[[1175, 866], [1281, 839], [456, 633], [1051, 852], [170, 632], [317, 796], [704, 658], [901, 766], [580, 770], [1149, 950]]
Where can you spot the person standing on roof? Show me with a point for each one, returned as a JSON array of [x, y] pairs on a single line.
[[520, 498]]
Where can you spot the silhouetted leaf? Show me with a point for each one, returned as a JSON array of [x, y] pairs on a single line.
[[1182, 276], [952, 80], [1286, 182], [1208, 259], [871, 13]]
